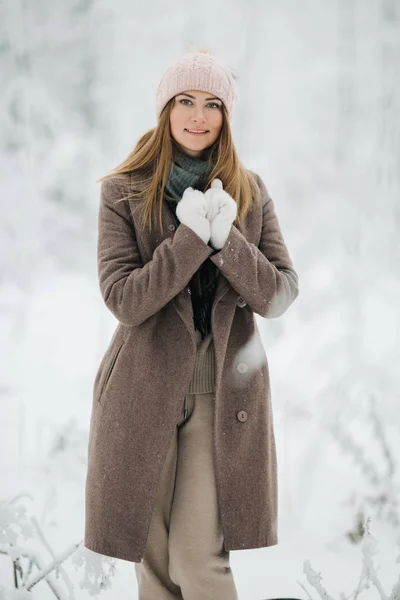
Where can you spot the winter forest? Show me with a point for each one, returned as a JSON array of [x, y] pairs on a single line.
[[318, 117]]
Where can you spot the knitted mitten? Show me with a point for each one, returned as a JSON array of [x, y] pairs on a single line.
[[192, 210], [222, 211]]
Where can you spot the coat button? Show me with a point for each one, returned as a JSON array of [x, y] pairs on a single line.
[[171, 227], [241, 302], [189, 290], [242, 367], [242, 415]]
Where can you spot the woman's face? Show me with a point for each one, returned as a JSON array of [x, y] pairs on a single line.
[[194, 109]]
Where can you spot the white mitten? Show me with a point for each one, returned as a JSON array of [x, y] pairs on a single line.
[[192, 210], [222, 212]]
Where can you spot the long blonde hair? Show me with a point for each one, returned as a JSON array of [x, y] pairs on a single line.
[[152, 158]]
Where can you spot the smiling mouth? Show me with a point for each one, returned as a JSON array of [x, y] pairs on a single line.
[[194, 132]]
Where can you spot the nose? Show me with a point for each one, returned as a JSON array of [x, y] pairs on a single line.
[[198, 116]]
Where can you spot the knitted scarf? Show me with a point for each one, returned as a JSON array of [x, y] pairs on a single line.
[[188, 171]]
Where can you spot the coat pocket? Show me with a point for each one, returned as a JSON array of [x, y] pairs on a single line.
[[110, 369]]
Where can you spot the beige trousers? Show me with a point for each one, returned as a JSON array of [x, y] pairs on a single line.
[[184, 556]]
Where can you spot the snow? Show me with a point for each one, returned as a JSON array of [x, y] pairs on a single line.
[[318, 119]]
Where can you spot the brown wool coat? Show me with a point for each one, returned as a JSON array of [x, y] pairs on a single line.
[[144, 374]]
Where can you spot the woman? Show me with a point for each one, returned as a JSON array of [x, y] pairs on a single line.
[[182, 461]]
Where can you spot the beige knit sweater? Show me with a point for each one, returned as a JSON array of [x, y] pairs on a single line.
[[203, 379]]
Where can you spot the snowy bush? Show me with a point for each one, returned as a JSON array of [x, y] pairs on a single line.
[[368, 576], [22, 539]]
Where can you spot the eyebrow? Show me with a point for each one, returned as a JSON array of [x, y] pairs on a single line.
[[194, 97]]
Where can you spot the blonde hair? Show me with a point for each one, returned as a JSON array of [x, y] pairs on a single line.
[[152, 158]]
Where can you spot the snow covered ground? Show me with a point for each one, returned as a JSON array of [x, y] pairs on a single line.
[[318, 119]]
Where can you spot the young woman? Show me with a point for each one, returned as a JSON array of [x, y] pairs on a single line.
[[181, 458]]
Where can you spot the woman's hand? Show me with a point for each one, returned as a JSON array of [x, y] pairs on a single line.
[[192, 211], [222, 211]]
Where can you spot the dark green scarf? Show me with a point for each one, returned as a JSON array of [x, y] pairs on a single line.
[[188, 171]]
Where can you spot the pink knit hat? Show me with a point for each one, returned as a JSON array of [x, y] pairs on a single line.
[[197, 71]]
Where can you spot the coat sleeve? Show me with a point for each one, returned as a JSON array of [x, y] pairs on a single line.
[[264, 276], [131, 291]]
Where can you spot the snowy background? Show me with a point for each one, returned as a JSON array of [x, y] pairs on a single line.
[[318, 117]]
